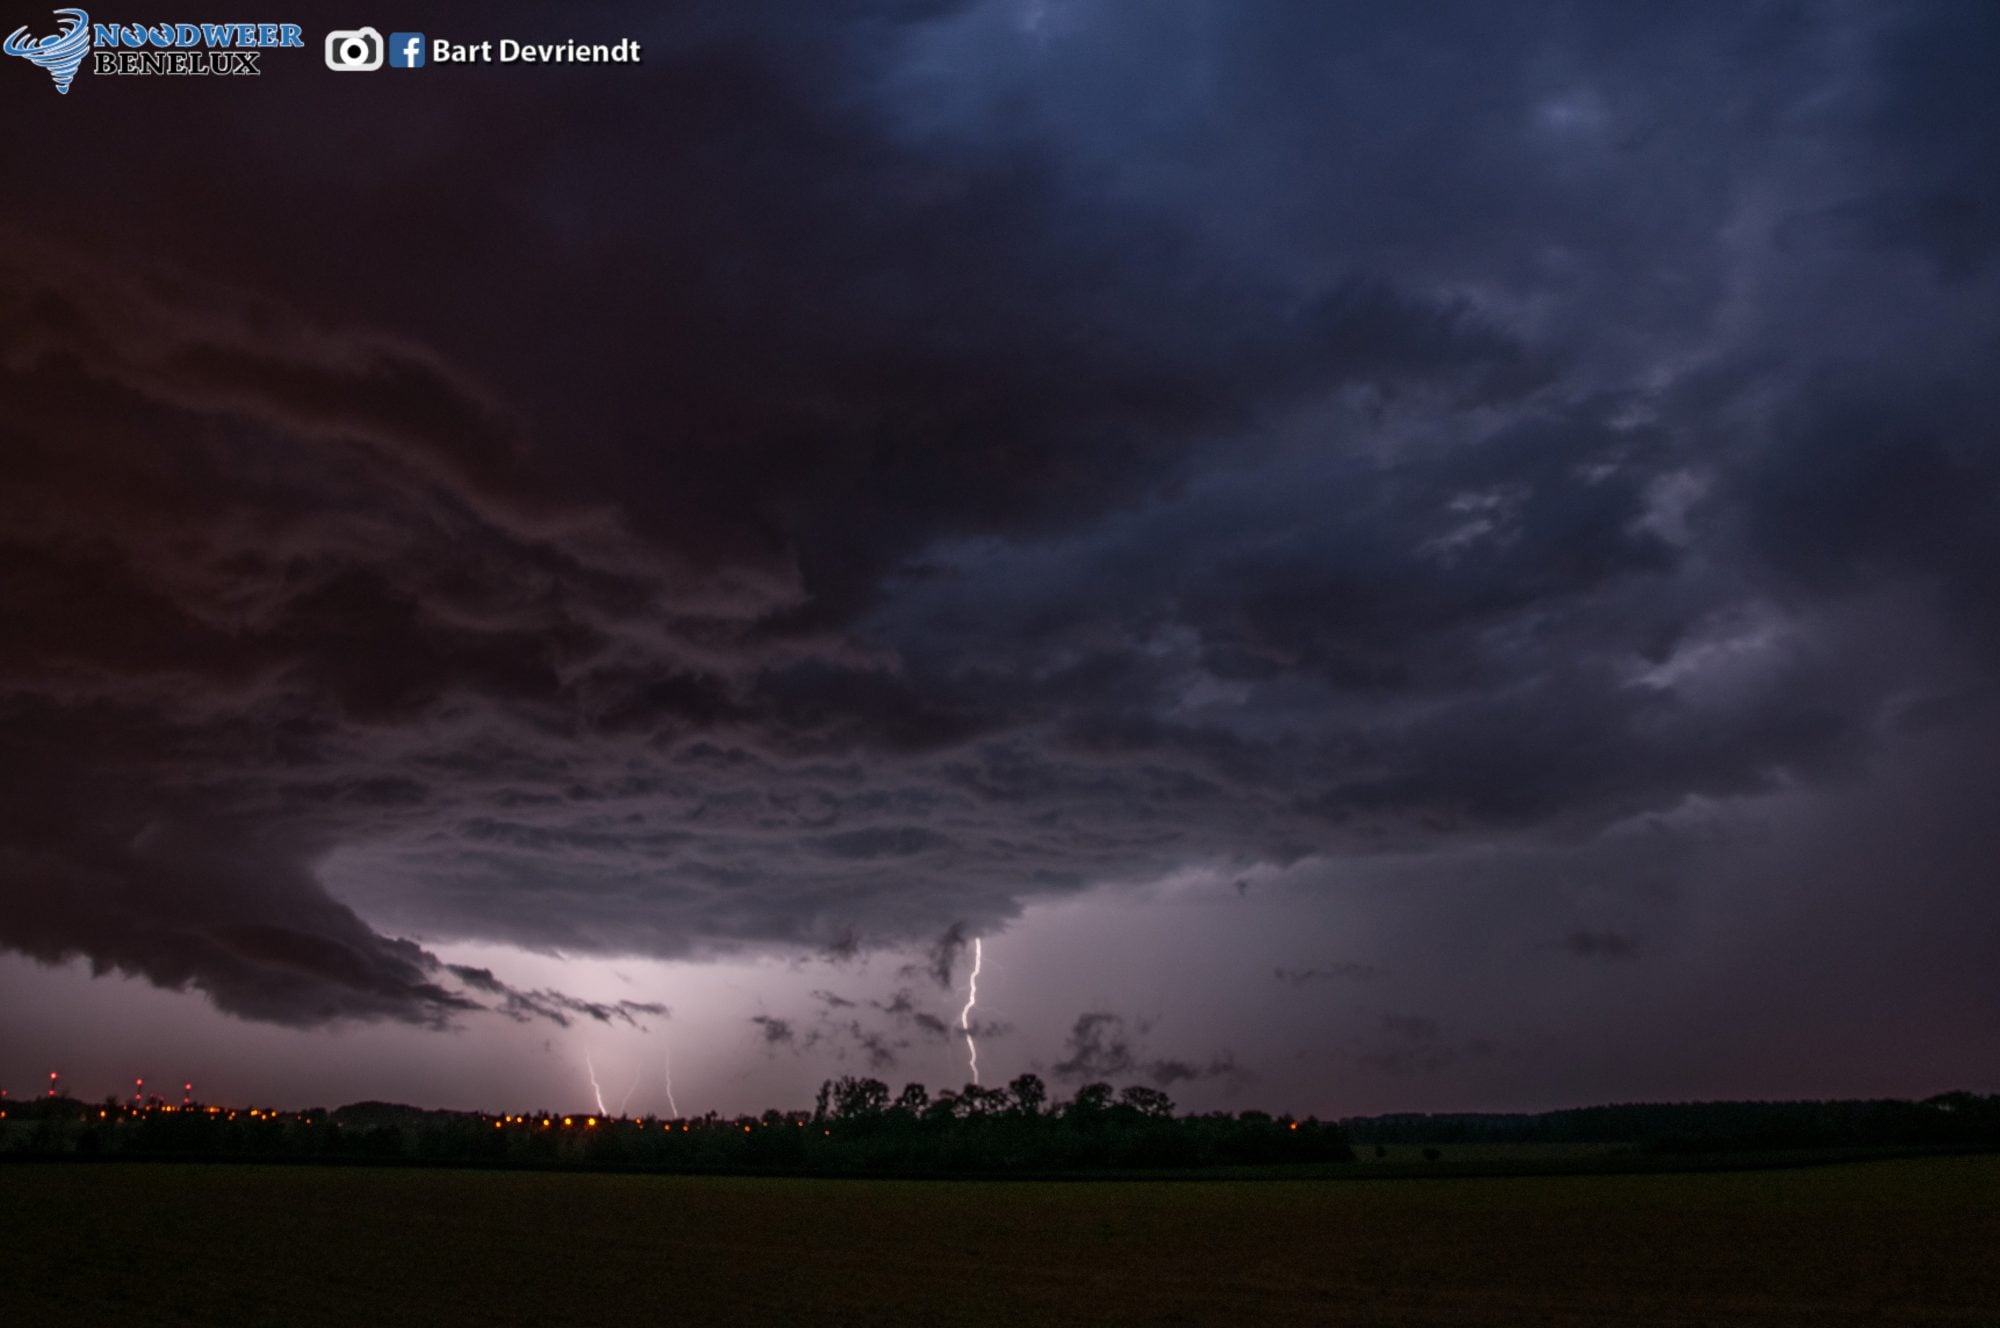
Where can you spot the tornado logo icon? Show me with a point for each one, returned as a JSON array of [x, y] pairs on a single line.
[[60, 54]]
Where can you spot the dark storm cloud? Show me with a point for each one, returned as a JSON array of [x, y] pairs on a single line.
[[775, 1032], [243, 926], [902, 1007], [843, 1034], [844, 947], [1955, 233], [1102, 1045], [966, 466], [1167, 1072], [1873, 477], [553, 1006], [946, 952], [875, 1046], [1098, 1047]]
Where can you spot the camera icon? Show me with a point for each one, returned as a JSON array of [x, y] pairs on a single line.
[[354, 51]]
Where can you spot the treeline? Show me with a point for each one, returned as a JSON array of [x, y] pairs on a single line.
[[1017, 1128], [1950, 1120], [856, 1127]]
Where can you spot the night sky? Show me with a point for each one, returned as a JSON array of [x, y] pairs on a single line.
[[1375, 557]]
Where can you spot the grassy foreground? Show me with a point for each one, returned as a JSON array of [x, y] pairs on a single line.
[[1900, 1242]]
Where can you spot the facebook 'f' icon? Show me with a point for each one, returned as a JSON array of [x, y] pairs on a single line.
[[406, 50]]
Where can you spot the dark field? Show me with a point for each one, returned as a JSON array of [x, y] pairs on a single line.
[[1901, 1242]]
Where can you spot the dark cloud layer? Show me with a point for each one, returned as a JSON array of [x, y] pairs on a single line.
[[884, 464], [1105, 1046], [554, 1006]]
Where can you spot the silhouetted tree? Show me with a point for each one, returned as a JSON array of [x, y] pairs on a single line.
[[859, 1099], [1150, 1102]]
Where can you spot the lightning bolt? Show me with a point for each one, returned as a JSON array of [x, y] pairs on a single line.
[[965, 1015], [627, 1099], [595, 1089], [667, 1069]]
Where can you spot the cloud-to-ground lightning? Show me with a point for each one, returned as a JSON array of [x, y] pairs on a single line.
[[596, 1090], [965, 1015], [667, 1069], [626, 1101]]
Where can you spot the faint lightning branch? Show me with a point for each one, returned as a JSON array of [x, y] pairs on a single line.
[[667, 1068], [626, 1101], [595, 1089], [965, 1015]]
